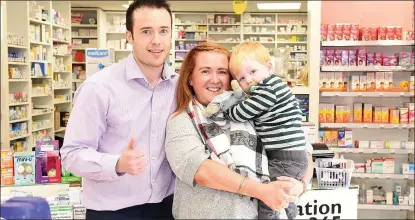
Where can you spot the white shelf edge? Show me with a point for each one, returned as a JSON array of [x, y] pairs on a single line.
[[17, 46], [19, 120], [382, 176], [366, 125], [367, 43], [367, 94], [385, 207], [18, 137], [372, 151], [41, 129], [365, 68]]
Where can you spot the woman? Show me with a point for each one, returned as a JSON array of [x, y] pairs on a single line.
[[205, 187]]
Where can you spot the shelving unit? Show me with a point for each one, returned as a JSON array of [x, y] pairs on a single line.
[[37, 76], [375, 131]]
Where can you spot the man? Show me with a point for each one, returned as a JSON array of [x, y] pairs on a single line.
[[116, 131]]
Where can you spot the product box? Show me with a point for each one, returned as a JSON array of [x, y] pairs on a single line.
[[341, 139], [371, 82], [355, 83], [345, 58], [346, 32], [337, 57], [338, 81], [323, 57], [390, 33], [411, 83], [346, 114], [338, 32], [404, 58], [330, 57], [357, 113], [352, 57], [363, 144], [378, 59], [361, 57], [6, 158], [348, 139], [373, 32], [388, 81], [354, 32], [377, 115], [393, 145], [363, 83], [330, 113], [345, 80], [322, 113], [389, 198], [68, 177], [403, 115], [365, 34], [381, 33], [339, 114], [380, 81], [323, 32], [321, 136], [323, 81], [367, 113], [407, 168], [398, 33], [370, 59], [24, 168], [369, 196], [48, 163], [385, 115], [394, 116], [388, 165], [368, 165], [410, 107], [377, 144], [390, 61], [330, 80], [7, 178], [359, 167], [377, 166]]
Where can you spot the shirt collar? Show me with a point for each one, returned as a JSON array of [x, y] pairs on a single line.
[[133, 71]]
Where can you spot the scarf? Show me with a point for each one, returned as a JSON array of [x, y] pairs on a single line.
[[241, 150]]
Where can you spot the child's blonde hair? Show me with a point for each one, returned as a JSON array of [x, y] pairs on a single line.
[[248, 51]]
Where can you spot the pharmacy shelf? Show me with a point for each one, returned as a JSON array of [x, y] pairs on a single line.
[[372, 151], [19, 120], [18, 137], [19, 103], [84, 37], [35, 21], [383, 176], [41, 113], [385, 207], [18, 80], [367, 68], [84, 25], [60, 26], [366, 125], [17, 46], [367, 43], [43, 128], [18, 63], [60, 41], [300, 90], [368, 94]]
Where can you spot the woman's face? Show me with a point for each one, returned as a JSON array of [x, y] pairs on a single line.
[[210, 76]]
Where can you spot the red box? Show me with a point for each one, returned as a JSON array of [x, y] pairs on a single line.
[[352, 58], [354, 32], [373, 32], [365, 34], [346, 31], [390, 33], [338, 32], [378, 59], [381, 33], [323, 32], [398, 33]]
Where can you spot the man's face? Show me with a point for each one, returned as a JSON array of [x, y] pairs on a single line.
[[151, 37]]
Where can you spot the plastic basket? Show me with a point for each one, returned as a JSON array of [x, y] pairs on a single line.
[[334, 173]]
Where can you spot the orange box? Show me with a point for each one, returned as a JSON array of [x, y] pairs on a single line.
[[7, 178], [354, 32], [388, 81], [381, 33], [6, 159], [365, 34], [377, 114], [394, 116], [403, 115], [373, 33], [390, 33], [339, 114], [329, 113], [355, 84], [322, 112], [371, 81], [385, 115], [357, 112], [346, 114], [363, 83], [367, 113]]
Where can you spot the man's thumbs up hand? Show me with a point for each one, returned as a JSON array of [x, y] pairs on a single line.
[[132, 161]]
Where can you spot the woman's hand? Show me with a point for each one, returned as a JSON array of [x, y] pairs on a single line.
[[273, 194], [297, 186]]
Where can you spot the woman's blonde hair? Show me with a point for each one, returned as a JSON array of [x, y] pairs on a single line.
[[248, 51], [185, 92]]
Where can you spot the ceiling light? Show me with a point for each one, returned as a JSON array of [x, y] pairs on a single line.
[[278, 6]]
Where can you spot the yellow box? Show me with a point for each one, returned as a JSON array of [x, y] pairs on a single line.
[[339, 114], [330, 113], [367, 113], [394, 116], [377, 114], [385, 115], [346, 114], [322, 112], [357, 112]]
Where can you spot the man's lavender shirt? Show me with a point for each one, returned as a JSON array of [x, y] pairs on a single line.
[[110, 108]]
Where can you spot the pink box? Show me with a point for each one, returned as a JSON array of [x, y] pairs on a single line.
[[373, 32], [398, 33], [346, 31], [370, 59], [330, 57], [323, 54], [354, 32], [390, 61], [338, 32], [323, 32], [390, 33], [365, 33], [378, 59], [361, 57], [352, 58], [338, 57], [381, 33], [345, 57]]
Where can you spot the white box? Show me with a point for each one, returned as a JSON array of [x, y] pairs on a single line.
[[407, 168], [380, 81], [389, 165], [388, 80], [323, 81], [338, 80], [369, 196], [389, 198], [355, 83], [363, 144]]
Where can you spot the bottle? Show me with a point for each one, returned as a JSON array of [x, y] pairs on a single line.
[[362, 193]]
